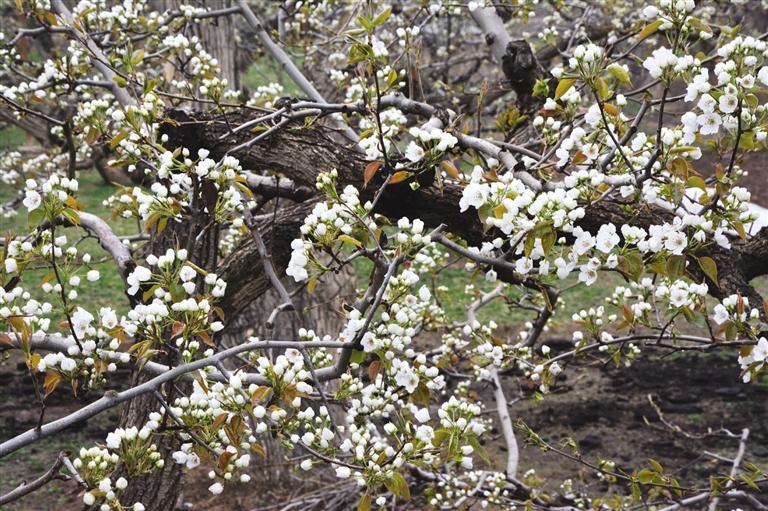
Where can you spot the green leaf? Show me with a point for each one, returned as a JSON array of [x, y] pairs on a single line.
[[656, 465], [631, 264], [548, 240], [479, 449], [530, 242], [36, 216], [564, 86], [675, 266], [689, 314], [679, 167], [400, 486], [382, 16], [441, 435], [620, 74], [649, 29], [358, 52], [72, 216], [177, 292], [365, 22], [483, 213], [749, 482], [420, 396], [148, 293], [392, 78], [681, 149], [137, 57], [365, 503], [602, 89], [739, 228], [345, 238], [540, 89], [117, 139], [699, 25], [696, 182], [645, 476], [357, 357], [747, 140], [709, 267]]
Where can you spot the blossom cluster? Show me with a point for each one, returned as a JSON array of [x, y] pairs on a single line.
[[177, 295], [134, 449]]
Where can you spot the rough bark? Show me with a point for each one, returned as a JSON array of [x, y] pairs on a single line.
[[242, 270], [301, 153], [321, 313], [113, 175], [522, 69], [161, 489]]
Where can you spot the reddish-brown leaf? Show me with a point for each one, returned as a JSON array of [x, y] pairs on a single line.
[[258, 449], [5, 339], [220, 419], [373, 369], [370, 170], [260, 394], [206, 338], [399, 176], [450, 168], [52, 380], [178, 328]]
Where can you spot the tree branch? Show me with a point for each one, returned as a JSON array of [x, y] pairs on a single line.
[[26, 488]]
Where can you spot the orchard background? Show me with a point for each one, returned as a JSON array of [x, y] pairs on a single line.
[[349, 254]]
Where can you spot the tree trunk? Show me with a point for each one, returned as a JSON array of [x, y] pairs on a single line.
[[218, 38], [161, 489], [320, 311]]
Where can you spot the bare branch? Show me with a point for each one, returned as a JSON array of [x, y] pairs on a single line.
[[734, 467], [24, 489], [98, 59]]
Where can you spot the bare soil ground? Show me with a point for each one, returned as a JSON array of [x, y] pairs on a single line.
[[607, 411]]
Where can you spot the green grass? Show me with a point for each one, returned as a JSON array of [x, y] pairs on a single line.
[[576, 297], [11, 137], [264, 72], [455, 301]]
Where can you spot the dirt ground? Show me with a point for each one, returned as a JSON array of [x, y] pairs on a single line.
[[606, 410]]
